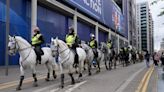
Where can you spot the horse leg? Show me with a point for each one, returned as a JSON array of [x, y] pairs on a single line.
[[109, 64], [98, 64], [85, 64], [81, 65], [72, 78], [115, 62], [34, 76], [21, 78], [62, 75], [89, 68], [106, 65], [48, 74], [53, 72]]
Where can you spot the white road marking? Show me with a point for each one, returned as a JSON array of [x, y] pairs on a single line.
[[48, 87], [75, 86], [42, 89], [54, 90], [126, 83]]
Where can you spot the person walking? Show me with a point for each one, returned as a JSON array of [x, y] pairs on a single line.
[[156, 59], [147, 58], [162, 59]]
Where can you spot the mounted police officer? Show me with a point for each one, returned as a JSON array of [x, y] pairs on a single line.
[[109, 44], [93, 44], [73, 42], [37, 41]]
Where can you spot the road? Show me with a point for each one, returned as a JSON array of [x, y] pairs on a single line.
[[122, 79]]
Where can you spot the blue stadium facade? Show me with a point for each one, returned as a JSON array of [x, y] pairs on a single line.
[[54, 21]]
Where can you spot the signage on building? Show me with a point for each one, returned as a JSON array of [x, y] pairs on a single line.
[[105, 11]]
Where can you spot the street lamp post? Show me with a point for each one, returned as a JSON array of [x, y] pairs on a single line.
[[7, 34]]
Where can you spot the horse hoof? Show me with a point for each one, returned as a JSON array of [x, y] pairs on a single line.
[[35, 85], [73, 83], [80, 75], [89, 74], [47, 79], [55, 76], [61, 86], [18, 88]]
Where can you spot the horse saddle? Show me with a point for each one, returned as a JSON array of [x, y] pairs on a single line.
[[39, 51]]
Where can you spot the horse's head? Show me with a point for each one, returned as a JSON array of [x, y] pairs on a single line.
[[103, 47], [12, 46], [54, 46], [85, 47]]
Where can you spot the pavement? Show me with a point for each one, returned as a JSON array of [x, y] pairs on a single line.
[[121, 79], [160, 77]]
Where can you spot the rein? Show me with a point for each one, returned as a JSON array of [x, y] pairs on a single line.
[[20, 50], [65, 58]]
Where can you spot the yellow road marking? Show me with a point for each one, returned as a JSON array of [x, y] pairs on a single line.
[[147, 81], [14, 83], [27, 80], [144, 82]]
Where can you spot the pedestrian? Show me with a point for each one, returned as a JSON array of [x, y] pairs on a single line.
[[162, 59], [156, 59], [147, 58]]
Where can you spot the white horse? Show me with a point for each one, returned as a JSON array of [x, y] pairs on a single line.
[[28, 58], [66, 58], [89, 58], [107, 56]]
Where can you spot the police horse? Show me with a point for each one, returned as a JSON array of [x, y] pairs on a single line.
[[66, 58], [89, 57], [28, 58], [99, 59], [107, 56]]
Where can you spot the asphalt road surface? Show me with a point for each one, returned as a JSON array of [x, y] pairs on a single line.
[[122, 79]]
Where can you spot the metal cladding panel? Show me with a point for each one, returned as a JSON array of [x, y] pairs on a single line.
[[125, 12], [2, 43], [103, 36], [19, 25], [51, 24], [84, 31]]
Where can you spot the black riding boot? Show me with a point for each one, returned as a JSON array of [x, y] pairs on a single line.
[[38, 59], [38, 52], [76, 61]]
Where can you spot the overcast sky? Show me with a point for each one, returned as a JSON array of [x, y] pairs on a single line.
[[158, 21]]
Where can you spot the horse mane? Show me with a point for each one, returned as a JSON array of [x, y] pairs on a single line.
[[22, 40], [86, 45], [62, 42]]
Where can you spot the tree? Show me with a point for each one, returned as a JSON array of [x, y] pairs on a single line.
[[155, 2]]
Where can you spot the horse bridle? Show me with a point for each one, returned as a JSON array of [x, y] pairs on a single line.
[[57, 50], [15, 49]]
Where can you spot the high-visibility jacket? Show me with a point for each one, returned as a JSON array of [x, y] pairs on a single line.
[[92, 44], [70, 39], [35, 39], [121, 50], [109, 45]]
